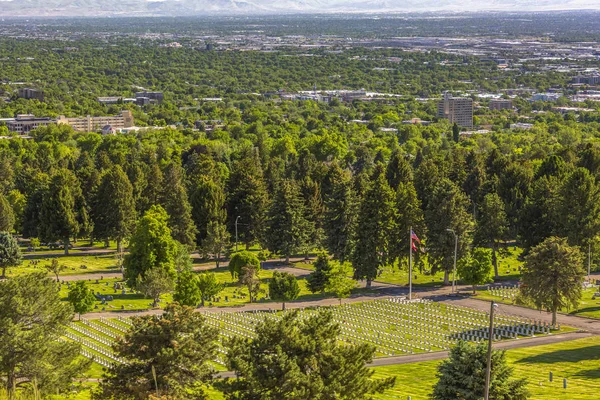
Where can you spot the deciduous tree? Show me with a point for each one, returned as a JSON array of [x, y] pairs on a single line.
[[208, 285], [155, 282], [283, 287], [187, 292], [81, 298], [339, 280], [475, 268], [151, 246]]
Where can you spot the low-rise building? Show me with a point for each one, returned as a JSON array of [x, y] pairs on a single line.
[[25, 123], [115, 100], [95, 124], [28, 93], [501, 104], [546, 96], [143, 98]]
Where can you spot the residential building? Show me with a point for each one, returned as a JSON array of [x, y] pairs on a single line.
[[546, 96], [28, 93], [95, 124], [587, 80], [114, 100], [25, 123], [501, 104], [457, 110]]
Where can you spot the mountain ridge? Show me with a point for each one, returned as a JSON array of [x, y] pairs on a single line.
[[87, 8]]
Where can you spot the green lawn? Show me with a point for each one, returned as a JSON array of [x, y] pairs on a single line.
[[236, 295], [578, 361], [81, 263], [587, 307], [508, 269]]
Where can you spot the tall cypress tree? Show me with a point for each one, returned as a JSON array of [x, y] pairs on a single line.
[[113, 210], [248, 198], [7, 216], [408, 214], [398, 170], [58, 215], [174, 199], [376, 222], [447, 209], [341, 209], [492, 225], [289, 229], [314, 208], [207, 200], [579, 208]]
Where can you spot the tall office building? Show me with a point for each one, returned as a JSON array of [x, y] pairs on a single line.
[[456, 109]]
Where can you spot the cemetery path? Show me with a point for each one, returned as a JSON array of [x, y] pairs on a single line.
[[587, 324], [440, 355]]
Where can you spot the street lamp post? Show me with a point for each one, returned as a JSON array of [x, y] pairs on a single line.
[[488, 369], [236, 233], [455, 255]]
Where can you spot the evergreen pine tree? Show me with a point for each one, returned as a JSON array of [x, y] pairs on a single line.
[[376, 223], [113, 209], [248, 198], [174, 199], [318, 279], [447, 209], [341, 208], [58, 213], [289, 229]]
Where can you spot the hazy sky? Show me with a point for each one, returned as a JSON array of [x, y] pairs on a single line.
[[123, 7]]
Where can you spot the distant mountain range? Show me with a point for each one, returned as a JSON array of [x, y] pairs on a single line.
[[233, 7]]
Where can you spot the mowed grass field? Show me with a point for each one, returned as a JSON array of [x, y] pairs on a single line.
[[578, 361], [232, 294], [588, 307]]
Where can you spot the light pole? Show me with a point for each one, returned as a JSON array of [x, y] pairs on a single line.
[[488, 368], [236, 233], [589, 262], [455, 254]]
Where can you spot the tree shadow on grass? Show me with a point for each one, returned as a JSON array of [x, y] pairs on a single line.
[[589, 374], [585, 310], [590, 353]]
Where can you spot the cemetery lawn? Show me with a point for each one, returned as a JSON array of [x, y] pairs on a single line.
[[236, 295], [575, 360], [587, 307], [79, 264]]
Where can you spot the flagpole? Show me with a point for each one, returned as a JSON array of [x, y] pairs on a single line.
[[410, 244]]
